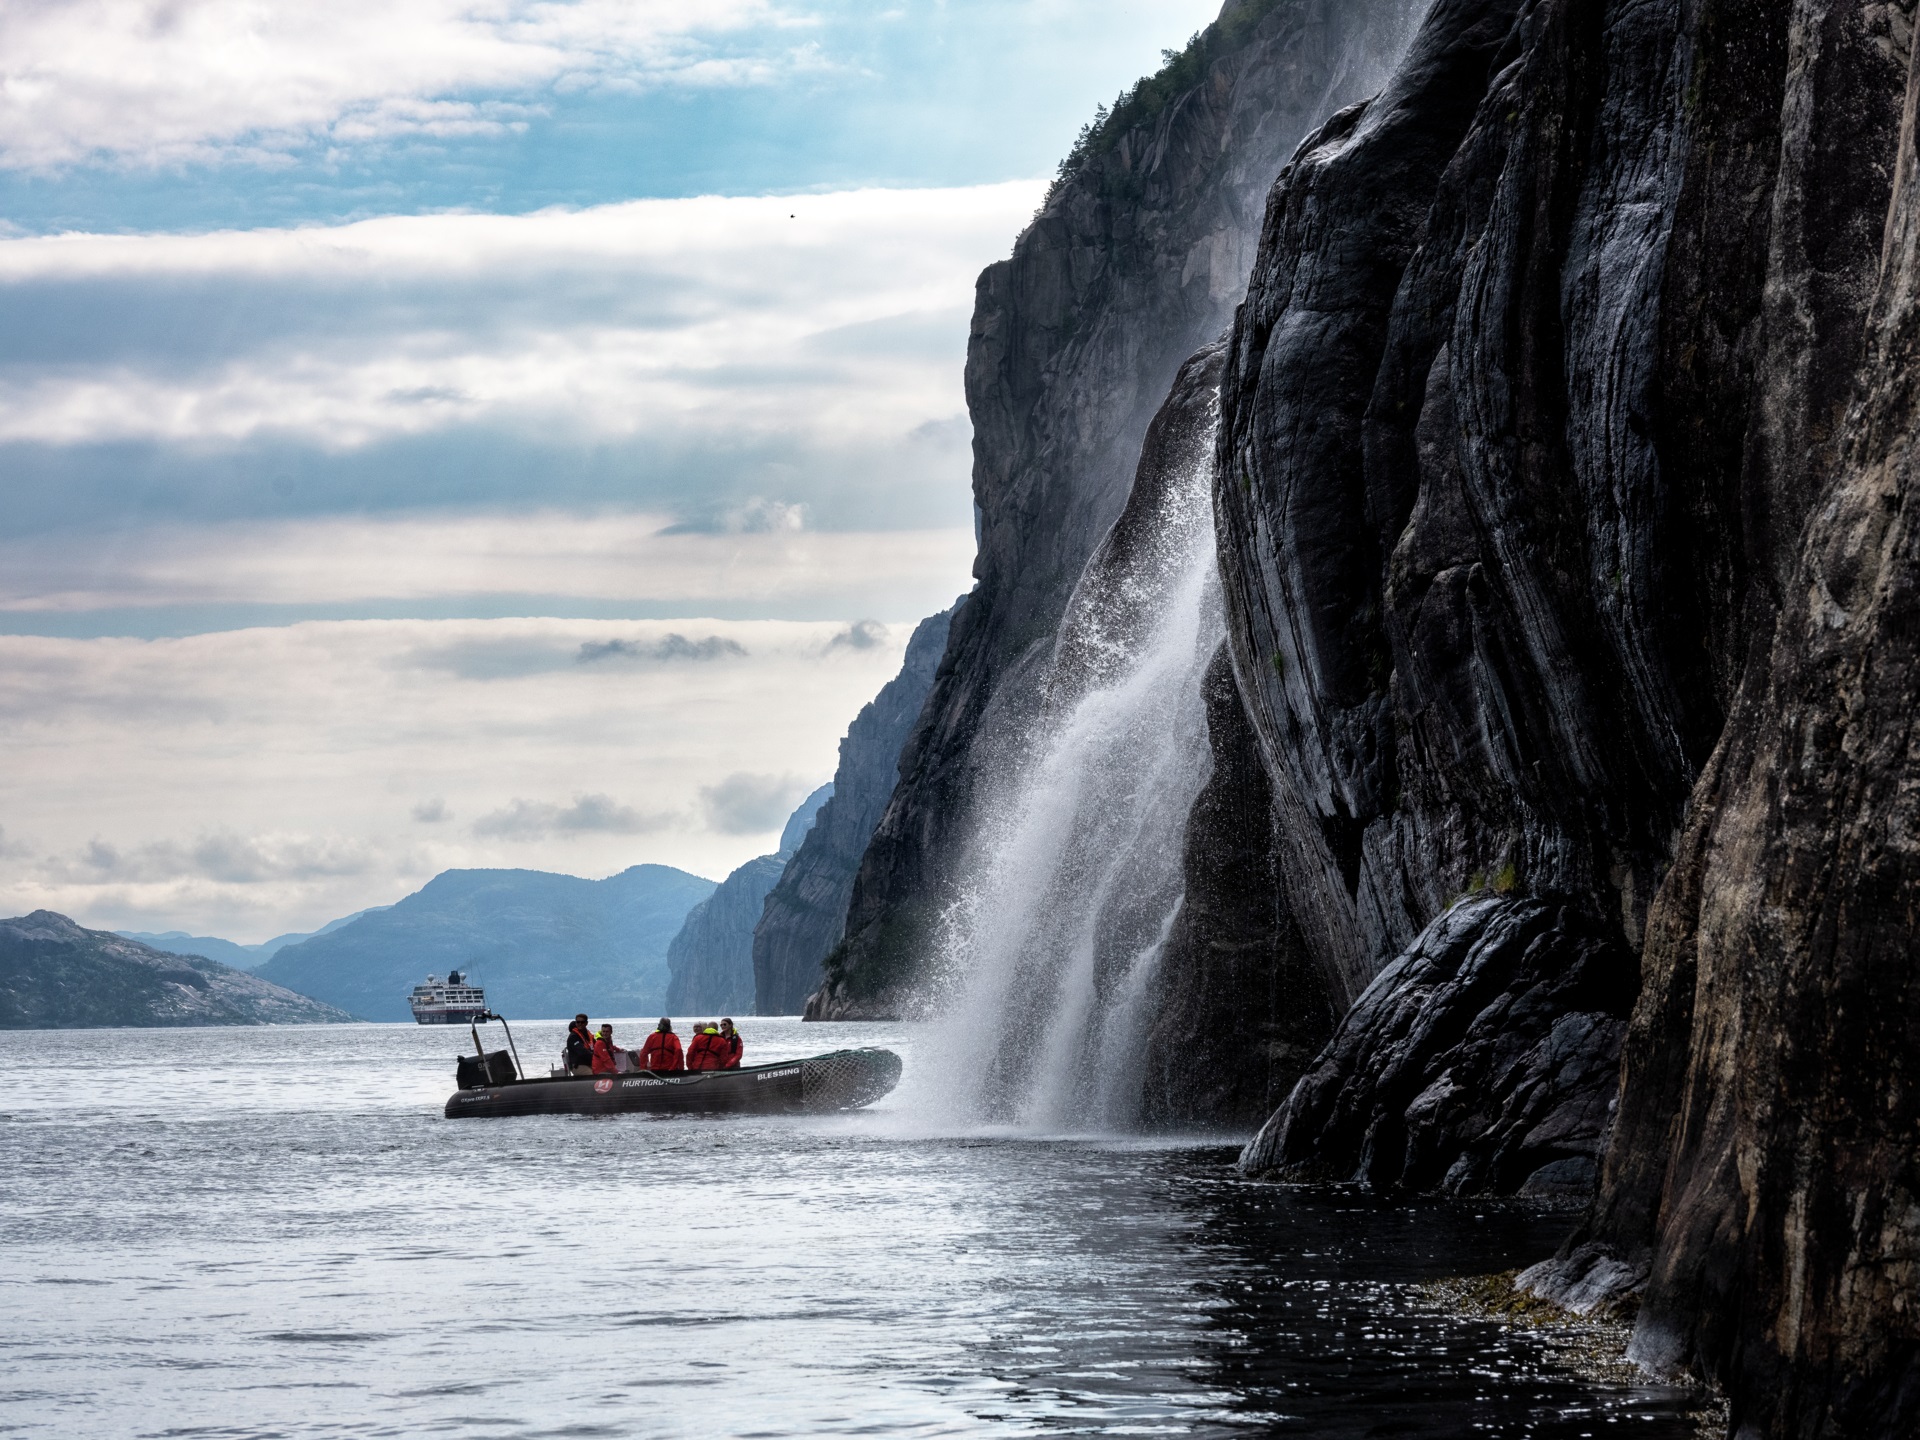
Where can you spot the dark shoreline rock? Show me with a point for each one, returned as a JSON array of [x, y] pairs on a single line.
[[1483, 1061]]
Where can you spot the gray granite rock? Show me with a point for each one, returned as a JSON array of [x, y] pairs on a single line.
[[1135, 261], [806, 912], [710, 962]]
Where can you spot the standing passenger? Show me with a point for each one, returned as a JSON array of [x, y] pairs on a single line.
[[731, 1045], [662, 1050], [603, 1063]]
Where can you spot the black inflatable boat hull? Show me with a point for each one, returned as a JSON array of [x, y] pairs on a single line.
[[842, 1080]]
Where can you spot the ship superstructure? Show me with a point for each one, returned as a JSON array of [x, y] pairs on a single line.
[[453, 1001]]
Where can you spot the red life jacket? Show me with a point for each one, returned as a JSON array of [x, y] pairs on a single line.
[[661, 1052], [706, 1052], [603, 1057], [732, 1046]]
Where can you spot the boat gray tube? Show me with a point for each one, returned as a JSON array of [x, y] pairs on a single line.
[[841, 1080]]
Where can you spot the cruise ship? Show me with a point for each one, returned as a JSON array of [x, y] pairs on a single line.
[[455, 1001]]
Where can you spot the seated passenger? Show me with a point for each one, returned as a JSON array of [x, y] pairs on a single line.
[[707, 1051], [662, 1049], [732, 1045], [603, 1047], [579, 1059]]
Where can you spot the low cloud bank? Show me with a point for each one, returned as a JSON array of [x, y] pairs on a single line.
[[246, 783]]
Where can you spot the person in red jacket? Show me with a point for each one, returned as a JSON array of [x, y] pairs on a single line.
[[603, 1061], [732, 1045], [706, 1051], [662, 1048]]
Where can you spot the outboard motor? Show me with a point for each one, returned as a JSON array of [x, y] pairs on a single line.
[[487, 1067], [476, 1072]]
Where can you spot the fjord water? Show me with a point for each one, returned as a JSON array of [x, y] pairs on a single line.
[[251, 1232]]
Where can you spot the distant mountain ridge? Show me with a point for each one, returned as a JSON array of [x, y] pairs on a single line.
[[542, 945], [230, 952], [56, 974]]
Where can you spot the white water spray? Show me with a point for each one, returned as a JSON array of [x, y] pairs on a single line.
[[1046, 961]]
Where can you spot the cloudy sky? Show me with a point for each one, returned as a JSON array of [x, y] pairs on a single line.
[[482, 432]]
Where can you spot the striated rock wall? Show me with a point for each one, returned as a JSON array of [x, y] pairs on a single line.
[[806, 912], [1561, 487], [1523, 416], [1134, 262], [1762, 1183]]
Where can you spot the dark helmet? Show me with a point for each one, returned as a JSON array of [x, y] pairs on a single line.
[[666, 1026]]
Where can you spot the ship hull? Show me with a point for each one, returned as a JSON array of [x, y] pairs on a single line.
[[448, 1017], [843, 1080]]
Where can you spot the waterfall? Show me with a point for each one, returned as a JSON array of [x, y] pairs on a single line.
[[1046, 961]]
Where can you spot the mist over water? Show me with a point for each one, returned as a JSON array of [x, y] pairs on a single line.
[[1045, 964]]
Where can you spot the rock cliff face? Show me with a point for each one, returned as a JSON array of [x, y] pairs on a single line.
[[1563, 536], [1134, 262], [710, 962], [1762, 1181], [806, 913], [1563, 817], [1528, 399], [55, 974]]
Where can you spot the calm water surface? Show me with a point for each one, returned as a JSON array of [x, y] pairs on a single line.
[[274, 1233]]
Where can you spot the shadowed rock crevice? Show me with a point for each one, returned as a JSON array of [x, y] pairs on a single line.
[[1239, 1009]]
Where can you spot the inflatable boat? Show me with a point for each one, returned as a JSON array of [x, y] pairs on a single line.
[[492, 1084]]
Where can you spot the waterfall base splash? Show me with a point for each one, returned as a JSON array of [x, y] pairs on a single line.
[[1045, 966]]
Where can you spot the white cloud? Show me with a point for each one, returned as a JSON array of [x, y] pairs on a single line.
[[264, 780], [750, 804], [221, 857], [673, 646], [632, 558], [811, 318], [160, 81], [251, 782], [587, 814]]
